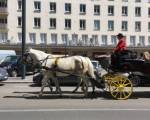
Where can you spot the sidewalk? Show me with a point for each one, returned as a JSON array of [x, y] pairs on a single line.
[[28, 79]]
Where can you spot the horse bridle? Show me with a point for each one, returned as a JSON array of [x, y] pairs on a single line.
[[24, 59], [28, 55]]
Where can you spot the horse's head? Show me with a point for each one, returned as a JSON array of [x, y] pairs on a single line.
[[28, 57], [31, 57]]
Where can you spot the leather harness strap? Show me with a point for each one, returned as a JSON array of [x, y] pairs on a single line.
[[56, 63]]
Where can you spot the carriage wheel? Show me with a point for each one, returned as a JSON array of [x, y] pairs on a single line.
[[120, 87]]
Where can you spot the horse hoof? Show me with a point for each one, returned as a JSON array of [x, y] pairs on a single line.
[[51, 89], [74, 91], [40, 95]]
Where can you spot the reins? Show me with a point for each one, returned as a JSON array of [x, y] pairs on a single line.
[[48, 57]]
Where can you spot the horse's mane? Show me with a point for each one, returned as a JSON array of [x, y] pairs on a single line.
[[39, 54]]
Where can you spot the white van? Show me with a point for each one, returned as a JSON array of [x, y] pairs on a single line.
[[5, 53]]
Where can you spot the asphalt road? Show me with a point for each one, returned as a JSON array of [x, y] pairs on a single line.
[[75, 115], [20, 101]]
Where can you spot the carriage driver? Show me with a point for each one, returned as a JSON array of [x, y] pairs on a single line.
[[118, 50], [121, 44]]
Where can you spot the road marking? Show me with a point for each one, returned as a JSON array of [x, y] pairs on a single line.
[[59, 110]]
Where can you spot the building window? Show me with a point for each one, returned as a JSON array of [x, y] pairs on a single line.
[[68, 8], [110, 10], [82, 9], [32, 37], [137, 0], [3, 3], [52, 7], [85, 40], [148, 40], [124, 11], [82, 24], [132, 41], [124, 26], [104, 40], [137, 11], [54, 39], [37, 22], [67, 23], [43, 37], [52, 23], [148, 26], [20, 37], [3, 20], [3, 37], [74, 39], [96, 25], [113, 40], [19, 5], [65, 39], [96, 9], [142, 41], [19, 21], [124, 0], [94, 41], [148, 12], [37, 6], [110, 25], [137, 26]]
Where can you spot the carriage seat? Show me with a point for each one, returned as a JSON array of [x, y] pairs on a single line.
[[119, 57], [127, 54]]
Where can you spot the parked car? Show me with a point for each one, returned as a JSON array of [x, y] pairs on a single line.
[[5, 53], [68, 80], [71, 79], [3, 74], [13, 65], [98, 69]]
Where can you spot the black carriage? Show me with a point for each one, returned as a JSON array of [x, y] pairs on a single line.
[[120, 86]]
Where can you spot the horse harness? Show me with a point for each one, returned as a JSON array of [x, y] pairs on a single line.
[[54, 69]]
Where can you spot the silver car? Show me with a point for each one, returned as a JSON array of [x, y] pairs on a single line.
[[3, 74]]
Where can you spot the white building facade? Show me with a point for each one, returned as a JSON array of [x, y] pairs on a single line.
[[79, 22]]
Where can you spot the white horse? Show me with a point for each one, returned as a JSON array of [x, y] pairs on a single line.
[[61, 66]]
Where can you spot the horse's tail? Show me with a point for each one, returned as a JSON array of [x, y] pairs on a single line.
[[91, 74], [90, 71]]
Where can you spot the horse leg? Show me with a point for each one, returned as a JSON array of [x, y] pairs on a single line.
[[86, 90], [93, 87], [78, 85], [44, 83], [85, 84], [50, 85], [56, 84]]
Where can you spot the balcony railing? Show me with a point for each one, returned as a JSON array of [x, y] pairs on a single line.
[[3, 10]]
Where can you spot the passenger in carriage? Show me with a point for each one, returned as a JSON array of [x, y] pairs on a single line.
[[146, 56]]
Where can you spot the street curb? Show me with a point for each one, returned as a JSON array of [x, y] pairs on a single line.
[[15, 82]]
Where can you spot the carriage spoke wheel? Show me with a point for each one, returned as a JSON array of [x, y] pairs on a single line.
[[120, 87]]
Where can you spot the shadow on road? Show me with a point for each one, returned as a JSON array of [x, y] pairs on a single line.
[[77, 95], [1, 84], [53, 95]]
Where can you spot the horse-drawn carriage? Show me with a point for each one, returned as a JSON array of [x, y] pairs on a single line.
[[119, 85]]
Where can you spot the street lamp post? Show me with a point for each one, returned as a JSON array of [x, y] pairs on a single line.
[[23, 35]]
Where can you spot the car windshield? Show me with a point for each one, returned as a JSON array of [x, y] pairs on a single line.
[[95, 64], [10, 59]]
